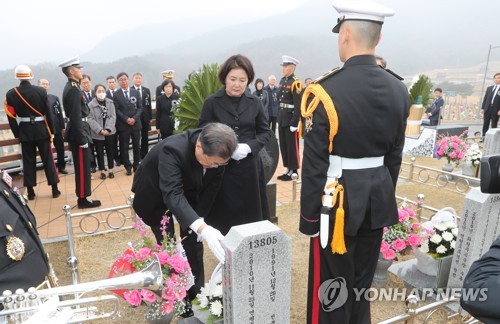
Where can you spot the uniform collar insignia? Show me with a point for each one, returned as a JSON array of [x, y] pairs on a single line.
[[7, 179], [15, 248]]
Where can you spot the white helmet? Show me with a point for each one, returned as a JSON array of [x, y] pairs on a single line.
[[23, 72]]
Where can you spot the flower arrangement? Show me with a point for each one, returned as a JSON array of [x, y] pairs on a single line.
[[473, 156], [399, 238], [453, 148], [210, 297], [439, 240], [177, 276]]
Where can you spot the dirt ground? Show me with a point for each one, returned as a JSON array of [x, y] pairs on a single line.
[[97, 253]]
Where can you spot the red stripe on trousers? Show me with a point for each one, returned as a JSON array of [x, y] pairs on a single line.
[[82, 174], [316, 282], [297, 149]]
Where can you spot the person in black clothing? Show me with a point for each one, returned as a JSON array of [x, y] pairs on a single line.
[[263, 96], [167, 75], [59, 125], [491, 105], [164, 121], [31, 121], [111, 81], [147, 113], [273, 107], [78, 131]]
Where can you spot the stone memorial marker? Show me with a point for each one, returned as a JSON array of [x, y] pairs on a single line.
[[478, 228], [257, 274], [492, 142]]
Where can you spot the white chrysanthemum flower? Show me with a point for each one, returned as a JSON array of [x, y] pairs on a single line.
[[447, 236], [454, 232], [436, 238], [216, 308], [218, 279], [217, 291], [450, 224], [452, 245], [203, 300], [424, 248], [441, 249], [440, 226]]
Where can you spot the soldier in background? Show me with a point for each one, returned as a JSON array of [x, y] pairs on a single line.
[[31, 121], [59, 125], [289, 98], [78, 131], [167, 74]]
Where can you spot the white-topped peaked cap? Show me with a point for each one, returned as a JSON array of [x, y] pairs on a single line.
[[23, 72], [364, 10], [74, 61], [288, 60], [168, 73]]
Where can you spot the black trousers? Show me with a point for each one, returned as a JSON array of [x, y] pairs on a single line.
[[490, 115], [93, 163], [116, 147], [28, 150], [100, 146], [272, 123], [59, 145], [125, 137], [356, 267], [144, 139], [289, 147], [81, 162]]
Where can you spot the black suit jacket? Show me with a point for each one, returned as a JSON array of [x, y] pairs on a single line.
[[488, 96], [57, 115], [92, 94], [146, 107], [109, 95], [171, 178], [127, 109]]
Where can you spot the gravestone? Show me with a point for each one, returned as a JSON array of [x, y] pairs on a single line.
[[269, 155], [492, 142], [257, 274], [478, 228]]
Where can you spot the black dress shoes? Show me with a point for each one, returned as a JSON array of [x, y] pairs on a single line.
[[31, 193], [129, 171], [284, 175], [111, 175], [88, 203], [290, 177], [55, 193], [62, 171]]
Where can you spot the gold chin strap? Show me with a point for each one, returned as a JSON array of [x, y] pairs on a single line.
[[320, 95]]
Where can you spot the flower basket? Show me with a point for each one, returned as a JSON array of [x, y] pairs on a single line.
[[453, 148]]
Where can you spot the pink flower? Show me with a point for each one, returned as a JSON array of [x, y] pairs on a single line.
[[163, 257], [168, 294], [177, 263], [148, 296], [384, 246], [133, 297], [398, 245], [453, 155], [410, 212], [402, 215], [166, 307], [414, 240], [389, 254], [415, 226]]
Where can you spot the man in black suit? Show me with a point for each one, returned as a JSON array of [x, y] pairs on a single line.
[[111, 81], [351, 165], [31, 121], [274, 105], [128, 105], [491, 105], [182, 175], [146, 116], [59, 125], [434, 111]]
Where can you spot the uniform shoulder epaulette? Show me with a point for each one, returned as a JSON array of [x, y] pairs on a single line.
[[327, 74], [74, 84], [394, 74]]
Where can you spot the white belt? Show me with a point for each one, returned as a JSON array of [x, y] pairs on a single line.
[[414, 122], [284, 105], [362, 163], [83, 119], [29, 119]]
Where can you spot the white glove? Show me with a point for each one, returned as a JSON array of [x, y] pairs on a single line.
[[213, 236], [293, 129], [86, 145], [241, 151]]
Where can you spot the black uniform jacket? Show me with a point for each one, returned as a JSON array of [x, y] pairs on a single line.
[[31, 270], [127, 109], [57, 114], [75, 108], [147, 113], [171, 178], [485, 274], [287, 95], [164, 121], [37, 98], [372, 121]]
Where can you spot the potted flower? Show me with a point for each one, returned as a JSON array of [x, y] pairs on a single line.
[[472, 160], [177, 276], [453, 148]]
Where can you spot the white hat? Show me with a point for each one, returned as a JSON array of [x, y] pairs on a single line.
[[74, 61], [364, 10], [288, 60], [23, 72], [168, 73]]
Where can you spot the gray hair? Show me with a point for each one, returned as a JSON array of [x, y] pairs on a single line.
[[366, 33], [219, 140]]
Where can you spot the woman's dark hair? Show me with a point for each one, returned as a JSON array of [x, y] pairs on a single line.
[[97, 86], [235, 62], [219, 140], [167, 81], [259, 81]]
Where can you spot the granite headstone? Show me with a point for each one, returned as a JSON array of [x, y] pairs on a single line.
[[478, 228], [492, 142], [257, 274]]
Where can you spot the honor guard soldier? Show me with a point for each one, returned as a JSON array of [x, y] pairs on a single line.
[[78, 131], [30, 120], [355, 120], [167, 74], [288, 118]]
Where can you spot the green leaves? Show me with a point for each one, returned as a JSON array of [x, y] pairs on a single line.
[[423, 88], [198, 87]]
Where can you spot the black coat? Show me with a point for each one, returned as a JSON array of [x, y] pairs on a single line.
[[274, 105], [164, 121], [146, 107], [37, 98], [57, 114], [127, 109], [289, 116], [372, 121], [488, 97], [170, 177], [159, 91], [75, 108], [242, 198], [31, 270], [484, 274], [435, 108]]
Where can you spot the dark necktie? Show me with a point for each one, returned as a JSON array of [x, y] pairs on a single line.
[[126, 95], [140, 92], [89, 97]]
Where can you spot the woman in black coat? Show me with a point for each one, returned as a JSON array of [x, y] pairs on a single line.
[[164, 122], [242, 198]]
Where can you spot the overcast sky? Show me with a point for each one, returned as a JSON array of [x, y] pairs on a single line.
[[36, 31]]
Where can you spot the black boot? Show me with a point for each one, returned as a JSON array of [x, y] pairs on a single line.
[[31, 193], [55, 191], [88, 203], [188, 308]]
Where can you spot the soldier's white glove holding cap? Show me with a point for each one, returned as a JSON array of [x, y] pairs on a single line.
[[241, 152], [86, 145], [210, 235], [293, 129]]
